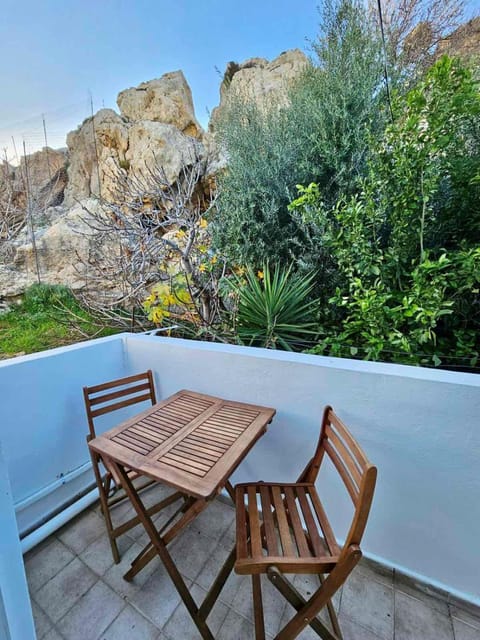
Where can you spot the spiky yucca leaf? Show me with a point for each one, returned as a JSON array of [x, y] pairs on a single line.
[[275, 310]]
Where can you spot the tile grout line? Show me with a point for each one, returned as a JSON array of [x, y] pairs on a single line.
[[79, 599], [454, 635]]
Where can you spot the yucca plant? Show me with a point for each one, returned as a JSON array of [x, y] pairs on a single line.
[[273, 309]]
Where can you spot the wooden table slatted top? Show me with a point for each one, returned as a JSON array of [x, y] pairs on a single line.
[[191, 441]]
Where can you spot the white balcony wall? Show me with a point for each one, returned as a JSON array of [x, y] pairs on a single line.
[[43, 425], [419, 426]]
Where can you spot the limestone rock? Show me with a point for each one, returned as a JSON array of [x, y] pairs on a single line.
[[463, 42], [106, 136], [156, 142], [157, 124], [47, 177], [167, 99], [60, 250], [260, 80]]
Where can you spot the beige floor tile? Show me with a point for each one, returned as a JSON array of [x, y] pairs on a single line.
[[158, 598], [215, 520], [369, 604], [236, 627], [80, 532], [467, 613], [41, 620], [228, 538], [433, 598], [131, 625], [139, 534], [306, 585], [190, 552], [376, 572], [464, 631], [181, 626], [114, 576], [415, 620], [213, 565], [273, 604], [92, 614], [53, 635], [353, 631], [46, 563], [60, 594], [98, 555]]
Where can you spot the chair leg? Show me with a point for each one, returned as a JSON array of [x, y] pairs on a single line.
[[105, 510], [297, 601], [161, 548], [307, 610], [218, 584], [258, 607], [331, 612]]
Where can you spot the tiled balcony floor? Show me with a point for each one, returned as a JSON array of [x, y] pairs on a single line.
[[79, 594]]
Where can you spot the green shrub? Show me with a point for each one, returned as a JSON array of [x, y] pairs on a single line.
[[321, 135], [273, 308], [405, 250]]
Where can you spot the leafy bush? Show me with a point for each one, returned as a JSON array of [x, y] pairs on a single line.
[[273, 309], [321, 135], [405, 249]]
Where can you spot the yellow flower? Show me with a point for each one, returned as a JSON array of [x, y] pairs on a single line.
[[239, 271], [203, 223], [213, 260], [202, 248], [202, 267], [157, 315], [181, 234], [184, 296], [260, 275]]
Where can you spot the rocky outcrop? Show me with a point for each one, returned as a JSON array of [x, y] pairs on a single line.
[[45, 173], [167, 99], [260, 80], [103, 137], [463, 42], [156, 124], [58, 247], [156, 142]]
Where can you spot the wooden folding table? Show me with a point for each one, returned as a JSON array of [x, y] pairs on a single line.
[[192, 442]]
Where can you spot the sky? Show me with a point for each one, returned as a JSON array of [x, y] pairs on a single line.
[[55, 54]]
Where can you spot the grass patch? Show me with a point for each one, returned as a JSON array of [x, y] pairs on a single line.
[[44, 320]]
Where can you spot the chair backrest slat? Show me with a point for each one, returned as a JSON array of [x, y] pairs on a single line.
[[118, 382], [343, 471], [345, 434], [358, 475], [348, 460], [120, 405], [129, 391], [126, 389]]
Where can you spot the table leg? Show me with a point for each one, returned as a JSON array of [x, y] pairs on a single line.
[[147, 554], [161, 549], [218, 584]]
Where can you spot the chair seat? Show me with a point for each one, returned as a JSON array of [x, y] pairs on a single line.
[[282, 525]]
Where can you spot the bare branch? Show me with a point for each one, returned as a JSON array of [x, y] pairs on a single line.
[[147, 229]]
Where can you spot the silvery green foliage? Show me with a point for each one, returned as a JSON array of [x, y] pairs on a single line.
[[320, 136]]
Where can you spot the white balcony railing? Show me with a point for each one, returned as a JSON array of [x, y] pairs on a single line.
[[419, 426]]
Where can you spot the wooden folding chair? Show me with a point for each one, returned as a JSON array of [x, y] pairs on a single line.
[[100, 400], [283, 528]]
